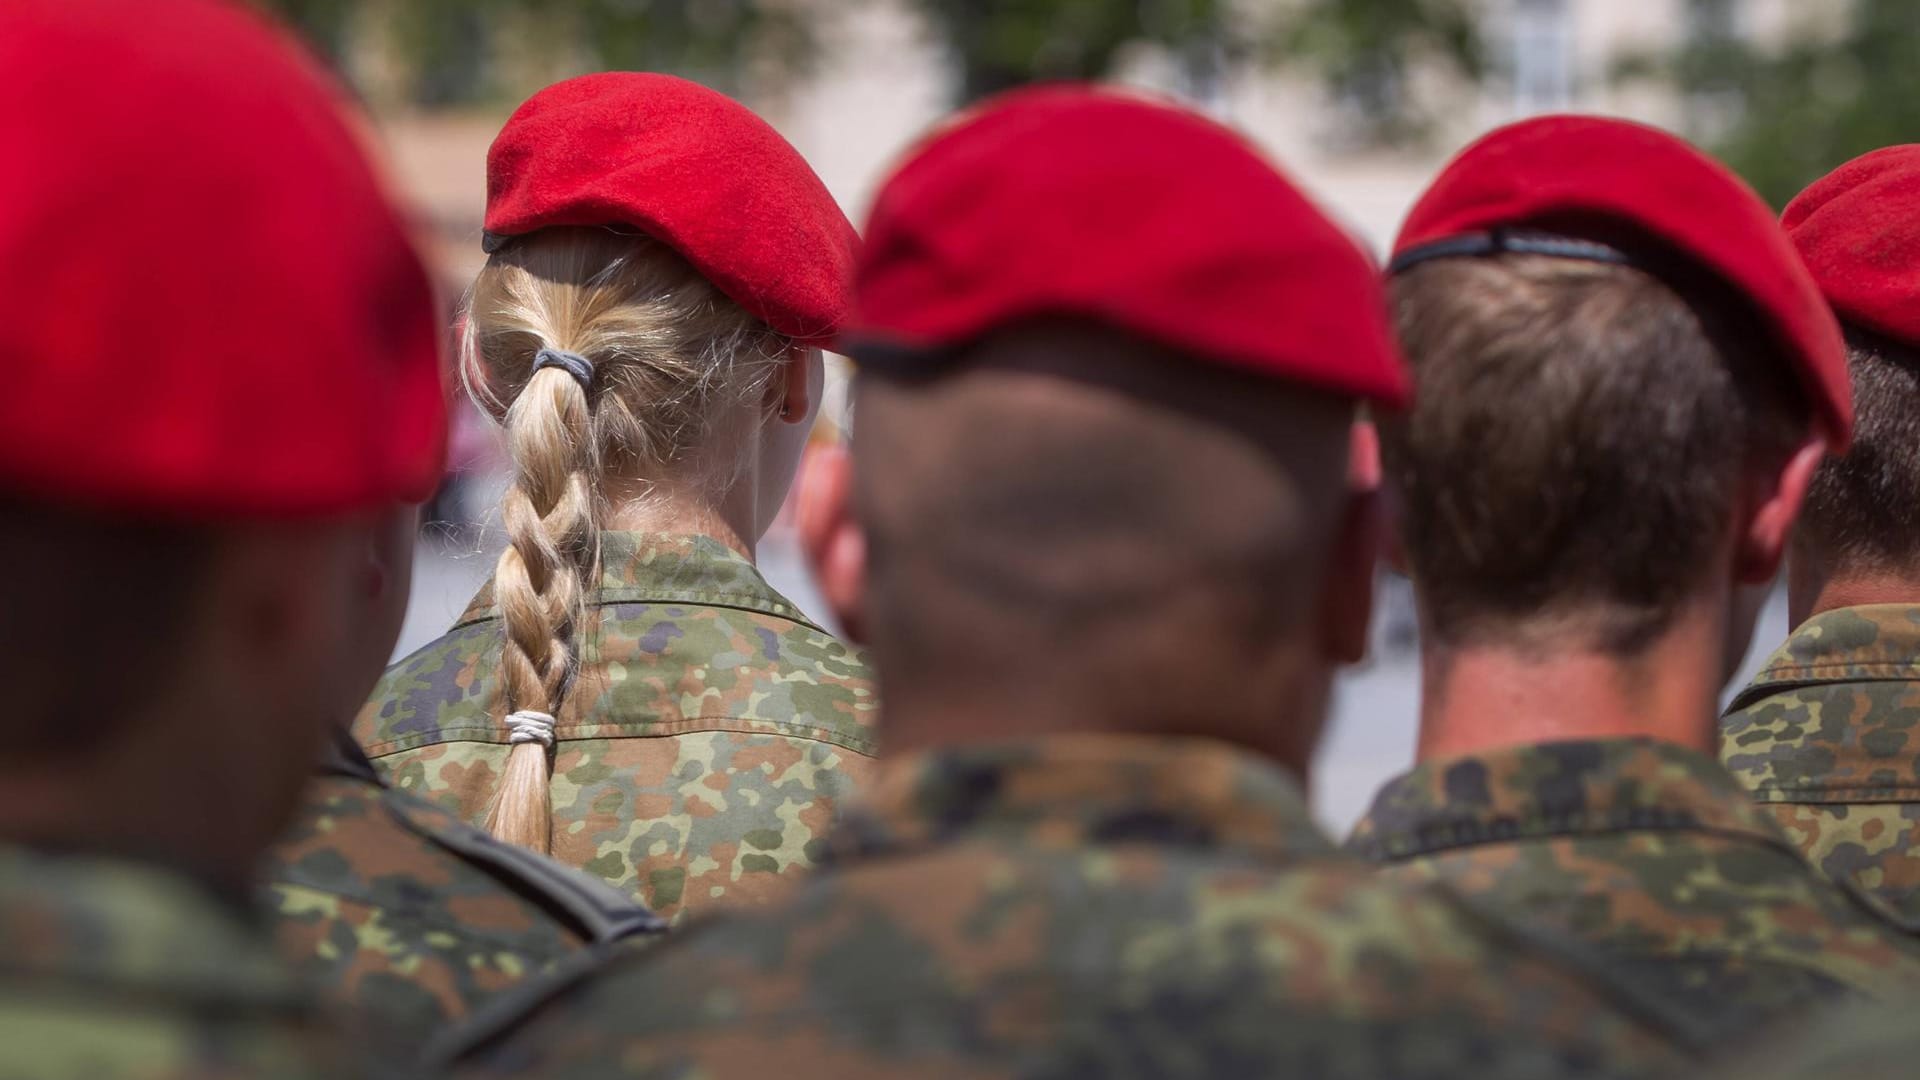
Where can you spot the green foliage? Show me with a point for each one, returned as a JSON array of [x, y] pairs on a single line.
[[1367, 51], [1364, 50], [1785, 116], [322, 22], [446, 42], [1000, 44], [452, 48], [710, 39]]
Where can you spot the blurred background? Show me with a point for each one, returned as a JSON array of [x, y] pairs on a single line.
[[1362, 100]]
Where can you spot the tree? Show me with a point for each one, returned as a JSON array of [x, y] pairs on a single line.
[[1364, 51], [452, 50], [1000, 44], [1368, 52], [1783, 115], [322, 22]]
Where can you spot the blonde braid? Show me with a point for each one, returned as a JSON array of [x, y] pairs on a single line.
[[553, 534], [669, 352]]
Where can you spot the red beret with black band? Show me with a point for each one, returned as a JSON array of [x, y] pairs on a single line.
[[1858, 229], [211, 309], [1611, 190], [691, 168], [1075, 201]]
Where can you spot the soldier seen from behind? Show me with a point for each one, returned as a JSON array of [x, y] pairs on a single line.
[[396, 907], [1828, 734], [221, 373], [1625, 379], [1103, 543], [628, 692]]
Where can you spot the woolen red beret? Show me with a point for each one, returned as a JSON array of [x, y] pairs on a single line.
[[209, 307], [1076, 201], [691, 168], [1645, 191], [1859, 231]]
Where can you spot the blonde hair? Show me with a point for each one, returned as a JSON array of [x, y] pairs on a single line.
[[670, 353]]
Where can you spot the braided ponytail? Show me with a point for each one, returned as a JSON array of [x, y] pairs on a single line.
[[552, 549], [668, 352]]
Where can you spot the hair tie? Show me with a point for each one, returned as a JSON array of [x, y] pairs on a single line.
[[572, 363], [530, 726]]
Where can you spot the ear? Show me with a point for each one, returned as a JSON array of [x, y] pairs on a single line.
[[830, 536], [282, 596], [390, 543], [1773, 505], [1346, 600], [1393, 547], [796, 387], [388, 581]]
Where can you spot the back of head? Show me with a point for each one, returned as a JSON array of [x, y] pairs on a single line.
[[1859, 231], [1571, 468], [1102, 423], [67, 567], [221, 351], [660, 259], [1089, 517], [1603, 361], [672, 359], [1862, 519]]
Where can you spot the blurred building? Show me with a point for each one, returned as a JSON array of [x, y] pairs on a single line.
[[880, 80]]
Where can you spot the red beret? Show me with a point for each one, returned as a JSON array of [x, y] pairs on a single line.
[[1069, 200], [1859, 232], [207, 305], [1584, 178], [691, 168]]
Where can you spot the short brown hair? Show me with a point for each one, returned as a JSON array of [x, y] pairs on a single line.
[[1863, 510], [1576, 447]]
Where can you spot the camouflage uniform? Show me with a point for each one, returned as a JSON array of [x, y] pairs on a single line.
[[1846, 1044], [1827, 738], [111, 969], [412, 917], [702, 750], [1086, 906], [1653, 856]]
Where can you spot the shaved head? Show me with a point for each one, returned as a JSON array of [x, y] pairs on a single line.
[[1072, 508]]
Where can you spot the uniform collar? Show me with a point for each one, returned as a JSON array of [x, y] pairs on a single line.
[[661, 568], [1829, 718], [1067, 793], [1580, 788], [1846, 645], [344, 757]]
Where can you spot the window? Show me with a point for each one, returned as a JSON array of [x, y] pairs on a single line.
[[1713, 101], [1542, 56]]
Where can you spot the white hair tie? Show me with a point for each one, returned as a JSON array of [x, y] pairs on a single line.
[[529, 726]]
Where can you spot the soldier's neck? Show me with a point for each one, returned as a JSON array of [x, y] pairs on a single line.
[[950, 717], [680, 510], [1476, 699], [1810, 594]]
